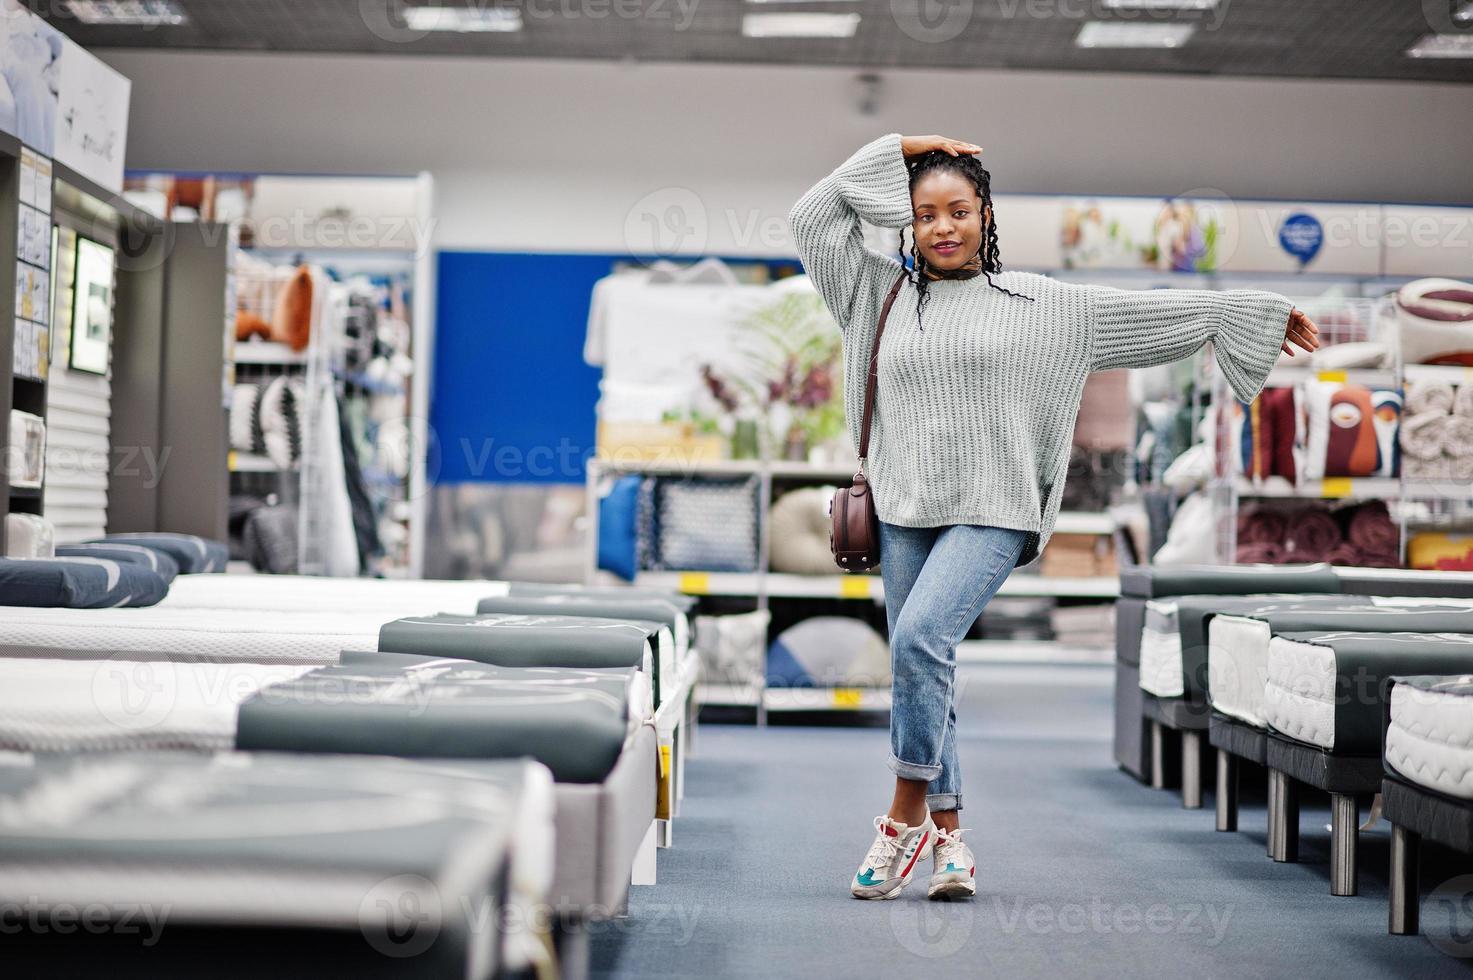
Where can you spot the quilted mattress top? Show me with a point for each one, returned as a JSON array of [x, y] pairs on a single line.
[[1429, 738]]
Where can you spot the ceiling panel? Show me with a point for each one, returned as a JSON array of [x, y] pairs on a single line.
[[1302, 38]]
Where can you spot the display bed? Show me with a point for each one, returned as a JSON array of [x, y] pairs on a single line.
[[1325, 699], [1428, 787], [246, 864], [283, 593]]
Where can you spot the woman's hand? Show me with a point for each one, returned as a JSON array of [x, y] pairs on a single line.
[[1302, 331], [914, 146]]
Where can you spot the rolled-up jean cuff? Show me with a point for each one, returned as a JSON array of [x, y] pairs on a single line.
[[937, 802], [913, 770]]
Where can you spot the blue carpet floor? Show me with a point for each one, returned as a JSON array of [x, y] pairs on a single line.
[[1082, 871]]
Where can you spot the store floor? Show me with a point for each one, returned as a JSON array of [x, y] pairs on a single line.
[[1081, 871]]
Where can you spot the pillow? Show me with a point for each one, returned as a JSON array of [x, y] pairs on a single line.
[[1355, 354], [616, 528], [732, 647], [1346, 426], [1435, 322], [798, 539], [78, 583], [29, 536], [155, 561], [291, 321], [280, 410], [829, 651], [709, 525], [245, 419], [191, 552]]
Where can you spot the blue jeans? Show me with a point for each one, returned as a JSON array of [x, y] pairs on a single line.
[[937, 579]]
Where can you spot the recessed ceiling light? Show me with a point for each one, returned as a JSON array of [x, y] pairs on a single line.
[[1442, 46], [799, 25], [131, 13], [1161, 4], [471, 19], [1105, 34]]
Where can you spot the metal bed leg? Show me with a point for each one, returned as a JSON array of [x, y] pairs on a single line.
[[1158, 755], [1191, 770], [1273, 794], [1227, 790], [1285, 836], [1401, 919], [1344, 838]]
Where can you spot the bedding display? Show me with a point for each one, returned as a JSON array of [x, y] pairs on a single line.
[[652, 609], [267, 863], [829, 651], [1429, 733], [1362, 534], [284, 593], [1435, 321], [156, 561], [1437, 438]]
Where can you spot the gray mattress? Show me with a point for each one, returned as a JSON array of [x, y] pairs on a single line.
[[251, 856]]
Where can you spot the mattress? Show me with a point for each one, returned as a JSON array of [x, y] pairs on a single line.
[[1158, 581], [685, 603], [253, 850], [511, 640], [1328, 688], [1429, 737], [652, 609], [281, 593], [184, 635], [73, 706], [575, 722], [1239, 639]]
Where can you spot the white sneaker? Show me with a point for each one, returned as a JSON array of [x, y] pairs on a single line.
[[956, 869], [892, 858]]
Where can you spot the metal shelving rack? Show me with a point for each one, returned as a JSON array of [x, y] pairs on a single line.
[[1410, 502], [762, 585]]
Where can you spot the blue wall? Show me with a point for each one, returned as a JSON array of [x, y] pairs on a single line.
[[512, 399]]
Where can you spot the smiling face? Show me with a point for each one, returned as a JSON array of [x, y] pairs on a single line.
[[948, 221]]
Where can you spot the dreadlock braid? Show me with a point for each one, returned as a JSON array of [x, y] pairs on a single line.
[[971, 168]]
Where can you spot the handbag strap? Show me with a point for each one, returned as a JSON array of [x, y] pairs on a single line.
[[874, 371]]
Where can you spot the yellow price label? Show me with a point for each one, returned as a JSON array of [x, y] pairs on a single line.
[[664, 760], [695, 583], [1331, 375], [848, 697], [854, 587], [230, 461], [1335, 486]]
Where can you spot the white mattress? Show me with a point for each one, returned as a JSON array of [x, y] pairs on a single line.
[[1430, 738], [1161, 672], [394, 597], [74, 706], [1299, 691], [186, 635]]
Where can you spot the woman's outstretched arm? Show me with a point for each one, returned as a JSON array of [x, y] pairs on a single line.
[[874, 185], [1248, 329]]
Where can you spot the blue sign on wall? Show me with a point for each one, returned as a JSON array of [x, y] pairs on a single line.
[[1301, 235]]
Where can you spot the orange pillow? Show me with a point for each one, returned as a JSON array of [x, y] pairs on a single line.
[[248, 325], [292, 321]]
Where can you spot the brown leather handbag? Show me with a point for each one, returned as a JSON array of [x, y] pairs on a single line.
[[854, 534]]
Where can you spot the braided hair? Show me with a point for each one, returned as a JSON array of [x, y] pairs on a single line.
[[971, 168]]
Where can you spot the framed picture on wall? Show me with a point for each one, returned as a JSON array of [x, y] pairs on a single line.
[[92, 307]]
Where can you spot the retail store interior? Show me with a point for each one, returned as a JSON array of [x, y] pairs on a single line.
[[436, 541]]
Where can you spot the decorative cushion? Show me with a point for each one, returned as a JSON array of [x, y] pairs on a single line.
[[156, 561], [1435, 320], [829, 651], [617, 519], [800, 529], [78, 583], [731, 647], [707, 524], [191, 552], [291, 322]]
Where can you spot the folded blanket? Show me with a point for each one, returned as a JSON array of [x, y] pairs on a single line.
[[1438, 468], [1423, 435], [1429, 396], [1344, 553], [1380, 559], [1457, 439], [1261, 553], [1312, 534], [1369, 527], [1260, 526], [1463, 400]]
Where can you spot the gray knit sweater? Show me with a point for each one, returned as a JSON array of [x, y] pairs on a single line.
[[974, 415]]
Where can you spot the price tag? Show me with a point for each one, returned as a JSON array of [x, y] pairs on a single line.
[[854, 587], [695, 583], [230, 460], [1335, 486], [1331, 376], [847, 697]]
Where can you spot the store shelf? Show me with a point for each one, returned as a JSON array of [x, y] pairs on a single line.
[[784, 586], [826, 699], [1080, 522], [253, 463], [1283, 377], [729, 695], [268, 353], [373, 386], [1333, 488], [1456, 374]]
